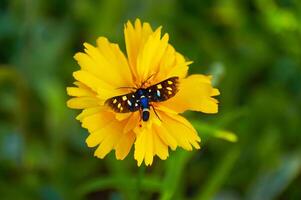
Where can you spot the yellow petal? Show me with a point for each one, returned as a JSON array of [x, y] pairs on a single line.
[[172, 64], [122, 116], [141, 145], [160, 149], [109, 137], [133, 121], [97, 121], [192, 134], [106, 62], [166, 137], [181, 130], [79, 92], [180, 67], [89, 111], [149, 56], [149, 147], [215, 92], [124, 145], [117, 68], [83, 102], [103, 89], [88, 64], [98, 136], [195, 93], [106, 145], [135, 37]]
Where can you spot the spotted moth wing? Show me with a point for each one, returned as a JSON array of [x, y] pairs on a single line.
[[123, 103], [164, 90]]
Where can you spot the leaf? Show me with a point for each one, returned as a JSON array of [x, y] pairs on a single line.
[[219, 175], [206, 130], [174, 170], [148, 183], [272, 183]]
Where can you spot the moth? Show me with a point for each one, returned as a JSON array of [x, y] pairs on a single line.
[[141, 98]]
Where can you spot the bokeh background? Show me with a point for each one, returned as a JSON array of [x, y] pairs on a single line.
[[253, 49]]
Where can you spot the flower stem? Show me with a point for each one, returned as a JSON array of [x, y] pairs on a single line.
[[140, 177]]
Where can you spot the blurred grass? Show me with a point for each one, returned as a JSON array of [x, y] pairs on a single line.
[[251, 47]]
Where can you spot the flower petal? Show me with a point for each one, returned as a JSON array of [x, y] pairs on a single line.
[[79, 92], [108, 137], [150, 55], [139, 152], [195, 93], [103, 90], [181, 130], [149, 148], [172, 64], [106, 62], [83, 97], [117, 70], [89, 111], [133, 121], [160, 148], [97, 121], [135, 37], [166, 137], [124, 145], [83, 102]]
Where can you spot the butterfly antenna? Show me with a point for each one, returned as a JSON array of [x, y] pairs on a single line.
[[156, 113], [148, 79], [133, 88]]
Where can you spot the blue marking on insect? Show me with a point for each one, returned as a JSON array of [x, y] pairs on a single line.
[[145, 114], [144, 103], [141, 98]]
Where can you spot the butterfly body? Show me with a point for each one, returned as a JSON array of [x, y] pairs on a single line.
[[141, 98], [144, 103]]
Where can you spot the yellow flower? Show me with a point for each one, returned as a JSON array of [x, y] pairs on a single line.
[[106, 73]]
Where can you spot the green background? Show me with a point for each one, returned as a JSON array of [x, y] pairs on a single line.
[[253, 49]]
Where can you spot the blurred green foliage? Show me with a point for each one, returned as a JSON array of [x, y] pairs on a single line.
[[253, 49]]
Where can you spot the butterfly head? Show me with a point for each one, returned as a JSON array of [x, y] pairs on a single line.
[[140, 92]]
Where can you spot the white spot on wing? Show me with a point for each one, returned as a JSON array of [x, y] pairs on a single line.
[[158, 93]]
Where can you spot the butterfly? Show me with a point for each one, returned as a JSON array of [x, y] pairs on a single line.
[[141, 98]]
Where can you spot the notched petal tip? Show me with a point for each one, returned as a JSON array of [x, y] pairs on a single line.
[[87, 45], [128, 25], [68, 90], [102, 38], [97, 155], [165, 37], [69, 104], [137, 22], [215, 92], [188, 62], [77, 56], [139, 162]]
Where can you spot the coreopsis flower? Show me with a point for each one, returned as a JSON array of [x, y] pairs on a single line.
[[137, 98]]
